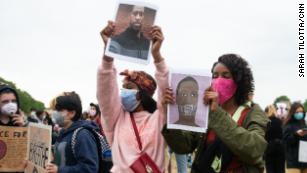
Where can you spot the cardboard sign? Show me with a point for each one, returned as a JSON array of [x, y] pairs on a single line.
[[13, 148], [39, 148]]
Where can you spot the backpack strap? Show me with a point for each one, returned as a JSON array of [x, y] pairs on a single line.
[[101, 142], [74, 140]]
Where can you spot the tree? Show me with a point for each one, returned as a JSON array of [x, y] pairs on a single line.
[[26, 100], [282, 98]]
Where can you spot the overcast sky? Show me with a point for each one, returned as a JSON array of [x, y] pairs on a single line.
[[50, 46]]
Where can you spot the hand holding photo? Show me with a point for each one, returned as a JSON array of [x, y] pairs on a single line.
[[189, 112]]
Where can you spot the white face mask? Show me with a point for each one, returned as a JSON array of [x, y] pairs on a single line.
[[92, 112], [9, 108], [59, 117], [188, 109]]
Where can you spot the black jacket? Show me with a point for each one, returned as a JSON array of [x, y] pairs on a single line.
[[128, 43], [291, 140], [275, 153]]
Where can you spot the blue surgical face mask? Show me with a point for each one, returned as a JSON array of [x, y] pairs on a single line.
[[299, 115], [129, 100]]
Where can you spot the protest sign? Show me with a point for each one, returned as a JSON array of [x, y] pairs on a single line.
[[13, 148], [39, 148], [189, 112]]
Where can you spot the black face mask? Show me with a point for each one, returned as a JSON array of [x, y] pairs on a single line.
[[148, 103]]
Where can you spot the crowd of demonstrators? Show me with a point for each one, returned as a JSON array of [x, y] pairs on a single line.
[[241, 138], [232, 123], [133, 120], [235, 140], [295, 130], [287, 127]]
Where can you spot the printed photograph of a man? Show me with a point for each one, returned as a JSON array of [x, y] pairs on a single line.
[[187, 100], [188, 112], [131, 39]]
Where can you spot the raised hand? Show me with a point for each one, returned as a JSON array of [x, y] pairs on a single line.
[[18, 119], [130, 74], [107, 32], [301, 132], [168, 97], [211, 99], [157, 39], [51, 168]]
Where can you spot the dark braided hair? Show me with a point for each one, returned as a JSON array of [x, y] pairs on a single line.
[[241, 73]]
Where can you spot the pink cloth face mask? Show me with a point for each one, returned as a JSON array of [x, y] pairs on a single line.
[[226, 88]]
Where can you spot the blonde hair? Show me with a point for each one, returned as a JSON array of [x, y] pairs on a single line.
[[52, 102], [270, 111]]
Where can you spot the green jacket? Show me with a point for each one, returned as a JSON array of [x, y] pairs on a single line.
[[246, 142]]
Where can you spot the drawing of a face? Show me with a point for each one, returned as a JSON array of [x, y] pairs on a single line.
[[187, 97]]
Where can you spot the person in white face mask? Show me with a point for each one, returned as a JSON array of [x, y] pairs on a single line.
[[94, 115], [9, 107], [93, 112]]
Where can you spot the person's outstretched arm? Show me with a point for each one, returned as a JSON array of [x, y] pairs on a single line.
[[107, 89], [162, 71]]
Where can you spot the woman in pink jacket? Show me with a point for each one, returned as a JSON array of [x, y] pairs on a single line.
[[133, 101]]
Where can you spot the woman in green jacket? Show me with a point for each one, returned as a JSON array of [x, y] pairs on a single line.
[[235, 140]]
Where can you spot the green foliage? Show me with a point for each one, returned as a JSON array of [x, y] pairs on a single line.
[[282, 99], [26, 100]]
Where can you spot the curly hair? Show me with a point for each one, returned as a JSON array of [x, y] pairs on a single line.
[[241, 73]]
